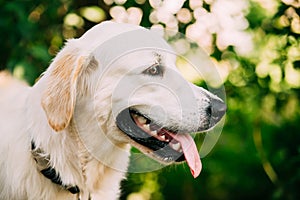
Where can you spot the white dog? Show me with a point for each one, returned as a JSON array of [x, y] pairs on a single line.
[[69, 136]]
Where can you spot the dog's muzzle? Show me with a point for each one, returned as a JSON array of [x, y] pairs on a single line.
[[168, 144]]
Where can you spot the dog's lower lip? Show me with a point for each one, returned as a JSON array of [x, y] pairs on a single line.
[[156, 131], [129, 122], [167, 146]]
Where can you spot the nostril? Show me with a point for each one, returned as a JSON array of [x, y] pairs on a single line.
[[219, 108], [208, 110], [214, 111]]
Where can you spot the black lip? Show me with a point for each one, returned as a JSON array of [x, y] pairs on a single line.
[[162, 149]]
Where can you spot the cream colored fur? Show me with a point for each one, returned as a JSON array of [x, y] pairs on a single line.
[[68, 104], [44, 113]]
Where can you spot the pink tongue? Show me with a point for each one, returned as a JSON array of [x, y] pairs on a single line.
[[190, 152]]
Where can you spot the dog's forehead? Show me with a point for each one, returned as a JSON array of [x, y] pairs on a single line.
[[105, 31], [128, 34], [139, 43], [145, 58]]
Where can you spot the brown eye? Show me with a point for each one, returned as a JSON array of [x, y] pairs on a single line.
[[154, 70]]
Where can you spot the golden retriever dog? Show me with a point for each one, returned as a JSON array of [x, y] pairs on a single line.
[[117, 86]]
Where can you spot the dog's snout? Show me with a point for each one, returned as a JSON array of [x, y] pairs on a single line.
[[218, 109]]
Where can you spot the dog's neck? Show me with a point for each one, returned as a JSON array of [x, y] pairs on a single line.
[[55, 154], [44, 166], [68, 153]]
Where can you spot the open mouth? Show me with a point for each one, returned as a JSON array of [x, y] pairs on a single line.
[[165, 144]]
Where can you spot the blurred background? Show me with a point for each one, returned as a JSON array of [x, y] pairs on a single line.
[[255, 46]]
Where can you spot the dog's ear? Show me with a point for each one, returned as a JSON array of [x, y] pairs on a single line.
[[58, 100]]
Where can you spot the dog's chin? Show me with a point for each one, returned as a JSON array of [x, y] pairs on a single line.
[[150, 138]]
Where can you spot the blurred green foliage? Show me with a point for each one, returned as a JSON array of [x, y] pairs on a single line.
[[258, 154]]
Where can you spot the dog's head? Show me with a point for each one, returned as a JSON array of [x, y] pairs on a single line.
[[124, 79]]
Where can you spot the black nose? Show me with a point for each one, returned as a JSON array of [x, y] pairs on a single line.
[[218, 109]]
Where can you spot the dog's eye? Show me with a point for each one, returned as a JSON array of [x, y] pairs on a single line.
[[154, 70]]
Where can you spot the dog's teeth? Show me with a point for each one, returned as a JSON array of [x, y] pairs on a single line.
[[147, 127], [176, 146], [163, 137], [141, 120], [154, 133]]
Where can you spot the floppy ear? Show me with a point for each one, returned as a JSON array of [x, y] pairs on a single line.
[[58, 100]]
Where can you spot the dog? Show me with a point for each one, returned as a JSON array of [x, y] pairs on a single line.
[[69, 136]]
